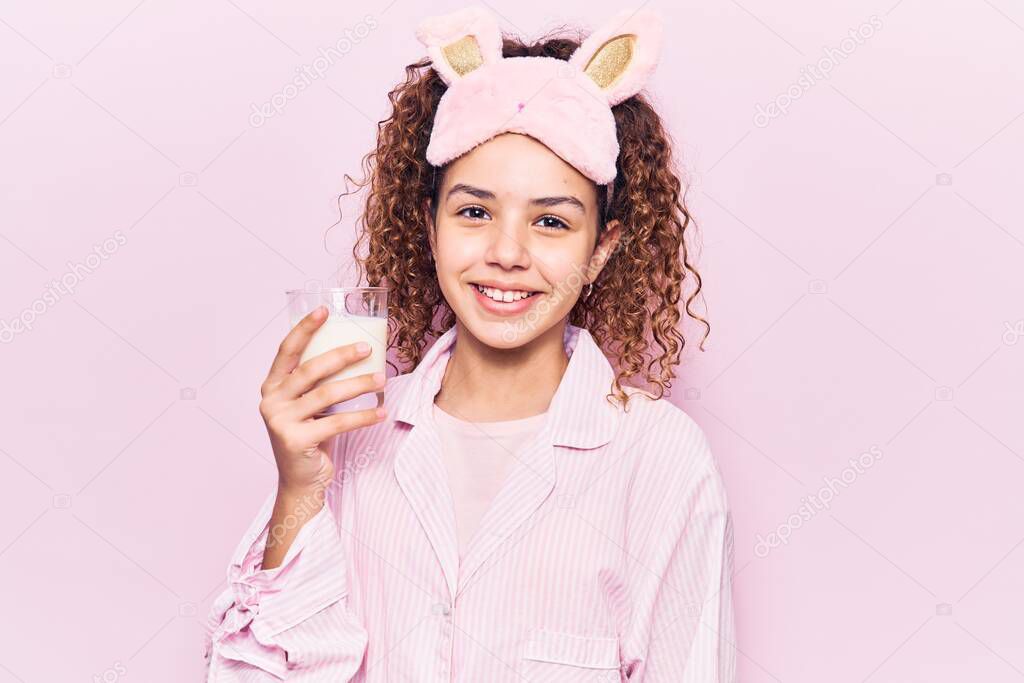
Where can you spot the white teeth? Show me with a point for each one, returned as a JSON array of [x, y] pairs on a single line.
[[499, 295]]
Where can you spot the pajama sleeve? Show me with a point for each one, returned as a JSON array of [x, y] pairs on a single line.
[[291, 622], [682, 627]]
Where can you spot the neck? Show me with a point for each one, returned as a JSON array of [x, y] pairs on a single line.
[[485, 384]]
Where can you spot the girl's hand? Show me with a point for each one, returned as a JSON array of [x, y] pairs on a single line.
[[288, 406]]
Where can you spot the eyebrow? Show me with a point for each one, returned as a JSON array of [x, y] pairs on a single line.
[[481, 193]]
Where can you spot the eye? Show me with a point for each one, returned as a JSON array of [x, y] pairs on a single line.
[[461, 212], [559, 224]]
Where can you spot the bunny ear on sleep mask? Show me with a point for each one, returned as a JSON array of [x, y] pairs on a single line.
[[564, 104]]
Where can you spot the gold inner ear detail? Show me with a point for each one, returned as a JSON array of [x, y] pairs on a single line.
[[611, 60], [463, 55]]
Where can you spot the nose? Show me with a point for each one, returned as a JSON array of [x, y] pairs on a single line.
[[508, 246]]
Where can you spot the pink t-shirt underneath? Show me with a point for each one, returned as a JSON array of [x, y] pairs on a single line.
[[478, 456]]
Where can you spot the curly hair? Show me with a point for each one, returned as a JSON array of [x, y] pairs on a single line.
[[640, 285]]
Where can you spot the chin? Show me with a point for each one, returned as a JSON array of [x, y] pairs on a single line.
[[504, 334]]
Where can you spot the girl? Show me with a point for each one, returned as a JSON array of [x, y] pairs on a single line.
[[520, 513]]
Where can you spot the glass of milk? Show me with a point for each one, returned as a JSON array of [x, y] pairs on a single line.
[[354, 314]]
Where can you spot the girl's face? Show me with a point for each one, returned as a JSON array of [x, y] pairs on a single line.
[[514, 217]]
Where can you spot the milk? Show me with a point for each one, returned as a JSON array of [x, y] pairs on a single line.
[[345, 328]]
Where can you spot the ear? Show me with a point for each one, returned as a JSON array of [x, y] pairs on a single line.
[[621, 55], [605, 248], [460, 41]]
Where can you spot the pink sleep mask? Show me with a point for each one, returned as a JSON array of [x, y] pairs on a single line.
[[564, 104]]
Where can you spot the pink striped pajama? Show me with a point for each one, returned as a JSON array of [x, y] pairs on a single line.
[[605, 556]]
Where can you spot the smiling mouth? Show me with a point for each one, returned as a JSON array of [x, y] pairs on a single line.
[[503, 296]]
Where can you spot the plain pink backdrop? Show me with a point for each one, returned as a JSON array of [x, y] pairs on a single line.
[[862, 261]]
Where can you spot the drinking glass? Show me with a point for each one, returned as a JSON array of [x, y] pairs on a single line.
[[354, 314]]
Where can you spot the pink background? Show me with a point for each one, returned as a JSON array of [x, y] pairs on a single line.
[[862, 267]]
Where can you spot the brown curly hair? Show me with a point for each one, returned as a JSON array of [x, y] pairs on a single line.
[[640, 285]]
